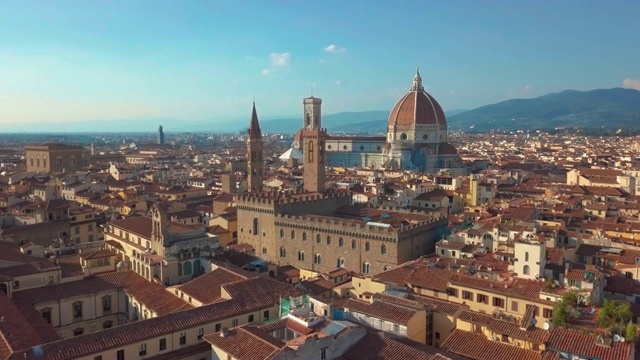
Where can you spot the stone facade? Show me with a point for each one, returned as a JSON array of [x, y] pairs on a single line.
[[54, 157]]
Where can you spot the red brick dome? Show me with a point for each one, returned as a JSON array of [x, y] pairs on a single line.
[[417, 108]]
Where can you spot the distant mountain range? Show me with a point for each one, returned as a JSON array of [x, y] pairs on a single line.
[[363, 121], [609, 108]]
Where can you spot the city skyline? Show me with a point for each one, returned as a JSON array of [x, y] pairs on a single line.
[[69, 61]]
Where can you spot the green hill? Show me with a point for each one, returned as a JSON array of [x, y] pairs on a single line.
[[613, 108]]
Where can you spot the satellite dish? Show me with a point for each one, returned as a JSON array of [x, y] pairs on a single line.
[[545, 326], [616, 338], [622, 339]]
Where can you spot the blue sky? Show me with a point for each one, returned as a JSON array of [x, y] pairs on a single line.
[[63, 61]]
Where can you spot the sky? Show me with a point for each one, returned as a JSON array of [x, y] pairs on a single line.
[[97, 61]]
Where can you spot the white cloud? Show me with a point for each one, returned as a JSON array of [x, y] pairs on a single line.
[[631, 83], [280, 60], [268, 72], [525, 90], [335, 49], [339, 83], [322, 61]]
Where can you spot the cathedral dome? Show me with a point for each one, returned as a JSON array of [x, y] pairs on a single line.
[[417, 108], [447, 149]]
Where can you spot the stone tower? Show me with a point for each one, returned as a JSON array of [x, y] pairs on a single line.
[[160, 225], [254, 153], [314, 160], [312, 113]]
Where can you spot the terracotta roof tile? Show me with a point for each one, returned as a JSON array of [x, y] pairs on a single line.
[[477, 346], [582, 344]]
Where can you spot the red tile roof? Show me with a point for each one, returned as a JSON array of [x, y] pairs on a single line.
[[246, 343], [476, 346], [207, 288], [382, 310], [581, 344]]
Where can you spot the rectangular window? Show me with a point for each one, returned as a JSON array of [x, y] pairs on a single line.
[[234, 322], [200, 333], [452, 292], [251, 318], [16, 284], [46, 314], [265, 315], [76, 230], [90, 227], [90, 238], [77, 310], [323, 354], [99, 357], [467, 295], [437, 335], [120, 355], [498, 302], [514, 306], [547, 313], [482, 298], [183, 338], [106, 303], [218, 327], [163, 344], [143, 349]]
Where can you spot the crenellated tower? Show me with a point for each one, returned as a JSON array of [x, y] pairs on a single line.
[[255, 149]]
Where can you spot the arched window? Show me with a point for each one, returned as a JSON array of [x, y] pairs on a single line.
[[317, 259], [367, 246], [187, 268], [340, 263], [293, 234], [328, 240], [300, 255], [354, 245], [281, 233], [72, 160], [255, 226], [264, 250], [307, 120], [366, 268], [304, 236], [526, 270], [59, 161], [31, 160], [197, 266], [283, 252], [38, 161], [179, 270], [526, 256], [383, 249], [318, 239], [340, 242]]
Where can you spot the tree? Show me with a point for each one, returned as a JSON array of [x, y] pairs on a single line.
[[614, 312], [564, 311], [630, 333]]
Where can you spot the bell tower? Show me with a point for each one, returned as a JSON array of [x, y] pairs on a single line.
[[160, 225], [314, 160], [254, 153], [312, 113]]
